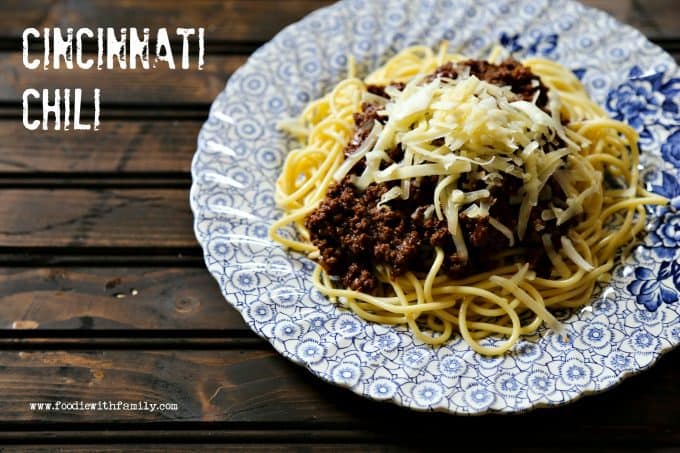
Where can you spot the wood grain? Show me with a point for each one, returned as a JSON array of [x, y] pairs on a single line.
[[229, 20], [158, 85], [95, 306], [96, 298], [383, 446], [206, 385], [149, 146], [264, 389], [254, 20], [95, 218], [184, 446]]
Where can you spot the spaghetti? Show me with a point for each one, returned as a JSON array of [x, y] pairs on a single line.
[[576, 197]]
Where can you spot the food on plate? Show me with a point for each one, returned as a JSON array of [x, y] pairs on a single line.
[[456, 195]]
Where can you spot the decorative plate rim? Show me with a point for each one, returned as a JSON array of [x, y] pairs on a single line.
[[198, 188]]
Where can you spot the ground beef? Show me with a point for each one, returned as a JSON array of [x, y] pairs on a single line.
[[509, 72], [363, 121], [379, 90], [354, 235]]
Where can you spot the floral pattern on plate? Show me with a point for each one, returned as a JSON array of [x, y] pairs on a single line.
[[632, 320]]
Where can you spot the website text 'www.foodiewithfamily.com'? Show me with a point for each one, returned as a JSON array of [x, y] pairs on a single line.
[[102, 405]]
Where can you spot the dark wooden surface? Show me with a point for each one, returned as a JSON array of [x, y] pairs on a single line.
[[104, 295]]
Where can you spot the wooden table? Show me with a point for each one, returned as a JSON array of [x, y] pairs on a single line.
[[104, 294]]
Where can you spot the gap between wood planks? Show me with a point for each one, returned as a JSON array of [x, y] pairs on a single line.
[[104, 257], [94, 180], [307, 437], [121, 340]]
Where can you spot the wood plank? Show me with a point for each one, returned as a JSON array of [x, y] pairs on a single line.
[[126, 340], [228, 447], [229, 20], [179, 433], [206, 385], [95, 181], [96, 298], [39, 257], [386, 446], [261, 389], [95, 218], [158, 85], [256, 20], [150, 146]]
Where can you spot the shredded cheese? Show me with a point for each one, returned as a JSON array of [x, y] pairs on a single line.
[[392, 194], [507, 232], [360, 153], [574, 255], [487, 132]]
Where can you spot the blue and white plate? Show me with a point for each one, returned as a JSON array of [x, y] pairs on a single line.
[[632, 320]]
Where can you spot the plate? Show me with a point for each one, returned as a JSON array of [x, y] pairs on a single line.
[[632, 320]]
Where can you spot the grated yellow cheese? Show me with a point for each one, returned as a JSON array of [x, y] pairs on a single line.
[[487, 132]]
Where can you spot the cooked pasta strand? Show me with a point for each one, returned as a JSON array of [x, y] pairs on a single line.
[[493, 302]]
